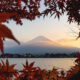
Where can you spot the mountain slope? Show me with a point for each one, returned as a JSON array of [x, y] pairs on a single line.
[[41, 45], [42, 41]]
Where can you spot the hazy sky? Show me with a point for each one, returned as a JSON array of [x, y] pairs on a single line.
[[54, 29]]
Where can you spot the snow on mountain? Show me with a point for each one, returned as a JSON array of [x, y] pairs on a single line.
[[42, 41]]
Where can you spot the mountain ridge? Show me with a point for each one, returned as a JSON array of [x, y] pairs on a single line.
[[41, 40], [40, 45]]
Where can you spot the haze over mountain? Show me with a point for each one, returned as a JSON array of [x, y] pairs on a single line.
[[39, 45], [42, 41]]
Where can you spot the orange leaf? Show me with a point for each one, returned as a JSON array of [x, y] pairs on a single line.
[[19, 4], [60, 78], [7, 70], [1, 47], [5, 15], [5, 32]]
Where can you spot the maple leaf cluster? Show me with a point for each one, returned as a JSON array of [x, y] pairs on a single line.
[[73, 11], [19, 9], [7, 71], [5, 32], [55, 7], [74, 72], [29, 72], [30, 9], [59, 7]]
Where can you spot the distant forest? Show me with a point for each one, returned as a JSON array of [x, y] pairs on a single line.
[[46, 55]]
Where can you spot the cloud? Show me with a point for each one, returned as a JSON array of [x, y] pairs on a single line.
[[69, 42], [66, 40]]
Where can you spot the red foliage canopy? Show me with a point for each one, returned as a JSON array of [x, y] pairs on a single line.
[[30, 9]]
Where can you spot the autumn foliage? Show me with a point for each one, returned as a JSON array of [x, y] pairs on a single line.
[[7, 71], [17, 10], [29, 72]]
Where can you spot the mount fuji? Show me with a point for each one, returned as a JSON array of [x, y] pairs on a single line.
[[40, 45]]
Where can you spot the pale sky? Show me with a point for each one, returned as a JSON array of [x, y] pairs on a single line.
[[53, 29]]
